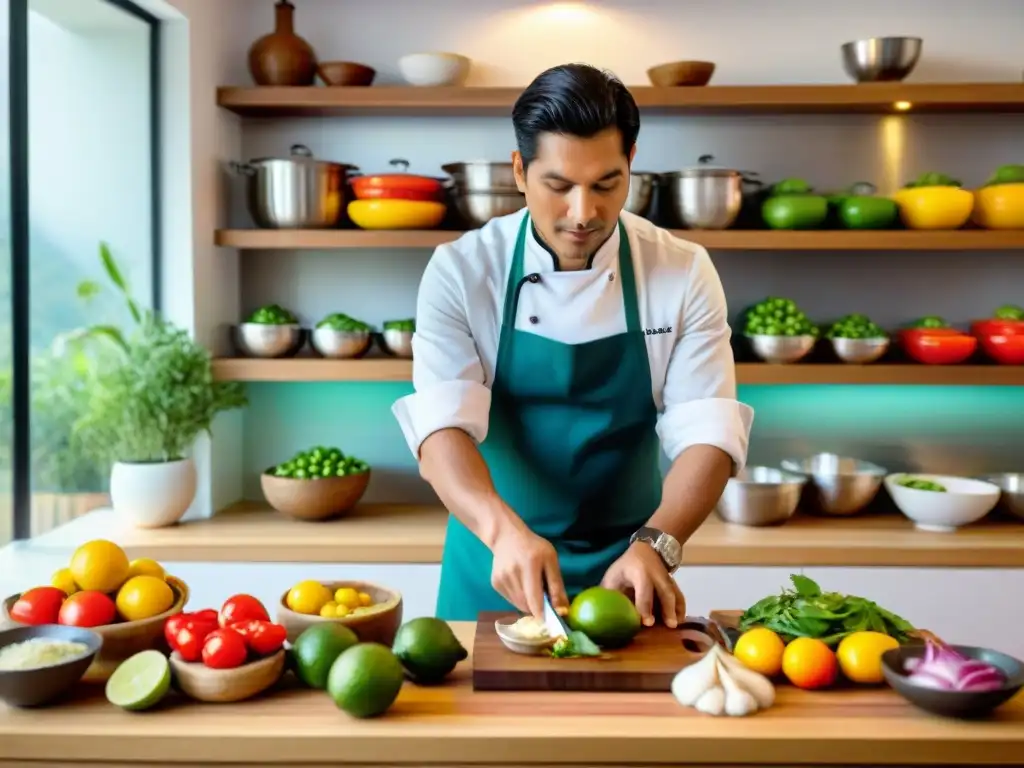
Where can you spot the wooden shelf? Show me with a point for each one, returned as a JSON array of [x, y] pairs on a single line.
[[389, 369], [872, 98], [725, 240], [392, 533]]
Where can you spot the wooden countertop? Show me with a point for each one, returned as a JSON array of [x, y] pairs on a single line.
[[387, 533], [451, 724]]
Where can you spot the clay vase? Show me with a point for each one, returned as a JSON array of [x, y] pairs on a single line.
[[282, 57]]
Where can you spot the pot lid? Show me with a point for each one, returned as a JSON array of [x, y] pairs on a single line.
[[705, 167], [299, 153], [399, 178]]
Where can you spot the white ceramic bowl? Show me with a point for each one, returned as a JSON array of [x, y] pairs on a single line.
[[964, 501], [517, 644], [434, 69]]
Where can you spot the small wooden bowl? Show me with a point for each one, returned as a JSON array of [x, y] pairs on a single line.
[[220, 686], [121, 640], [379, 624], [322, 498], [345, 73], [681, 73]]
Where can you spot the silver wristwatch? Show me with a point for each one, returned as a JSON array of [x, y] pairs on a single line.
[[665, 544]]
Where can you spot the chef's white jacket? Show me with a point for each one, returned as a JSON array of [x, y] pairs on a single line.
[[682, 312]]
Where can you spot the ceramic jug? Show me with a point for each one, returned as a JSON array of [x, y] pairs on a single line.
[[282, 57]]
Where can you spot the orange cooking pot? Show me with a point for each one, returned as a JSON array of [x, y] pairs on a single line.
[[398, 186]]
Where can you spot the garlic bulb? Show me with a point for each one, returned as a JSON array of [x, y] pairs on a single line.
[[719, 684]]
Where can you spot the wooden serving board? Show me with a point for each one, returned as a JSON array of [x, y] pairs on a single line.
[[647, 664]]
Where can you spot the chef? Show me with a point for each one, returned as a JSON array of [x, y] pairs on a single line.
[[558, 351]]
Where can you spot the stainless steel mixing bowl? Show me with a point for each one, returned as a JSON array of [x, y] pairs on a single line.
[[477, 208], [396, 342], [839, 485], [760, 496], [482, 177], [641, 193], [860, 350], [881, 59], [1012, 498], [262, 340], [781, 349], [340, 344]]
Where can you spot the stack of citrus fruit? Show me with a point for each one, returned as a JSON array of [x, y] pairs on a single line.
[[99, 586], [809, 662], [313, 598]]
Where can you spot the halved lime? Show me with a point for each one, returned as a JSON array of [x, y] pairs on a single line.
[[140, 681]]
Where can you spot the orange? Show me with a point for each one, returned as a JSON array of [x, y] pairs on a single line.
[[761, 650], [143, 597], [809, 663], [99, 565], [860, 655]]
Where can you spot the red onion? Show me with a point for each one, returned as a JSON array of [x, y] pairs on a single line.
[[945, 669]]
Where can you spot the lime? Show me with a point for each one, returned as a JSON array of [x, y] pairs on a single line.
[[606, 616], [428, 649], [316, 649], [365, 680], [140, 681]]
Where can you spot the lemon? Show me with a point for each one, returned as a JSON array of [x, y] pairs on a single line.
[[761, 650], [347, 596], [308, 597], [64, 581], [99, 565], [341, 611], [143, 597], [365, 600], [143, 566], [860, 655], [329, 610]]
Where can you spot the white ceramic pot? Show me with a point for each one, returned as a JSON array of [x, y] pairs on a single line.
[[153, 495]]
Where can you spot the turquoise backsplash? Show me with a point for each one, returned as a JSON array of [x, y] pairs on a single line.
[[940, 429]]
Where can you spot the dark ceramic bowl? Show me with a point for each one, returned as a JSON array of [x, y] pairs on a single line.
[[32, 687], [962, 704]]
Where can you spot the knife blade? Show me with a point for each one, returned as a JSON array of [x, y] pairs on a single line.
[[555, 624]]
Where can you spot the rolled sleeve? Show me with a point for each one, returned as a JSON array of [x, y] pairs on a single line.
[[699, 395], [448, 377]]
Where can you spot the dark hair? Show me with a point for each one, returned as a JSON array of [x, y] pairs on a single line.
[[574, 100]]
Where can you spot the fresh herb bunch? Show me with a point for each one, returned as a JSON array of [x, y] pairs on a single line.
[[151, 401], [806, 611]]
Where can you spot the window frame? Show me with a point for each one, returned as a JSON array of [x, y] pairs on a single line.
[[20, 254]]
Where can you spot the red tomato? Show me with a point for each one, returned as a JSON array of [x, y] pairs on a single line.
[[206, 616], [262, 637], [242, 608], [40, 605], [172, 626], [87, 609], [188, 643], [185, 632], [224, 649], [1005, 349], [997, 327]]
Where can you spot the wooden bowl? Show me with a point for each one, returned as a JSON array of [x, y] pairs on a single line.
[[378, 625], [221, 686], [681, 73], [322, 498], [124, 639], [345, 73]]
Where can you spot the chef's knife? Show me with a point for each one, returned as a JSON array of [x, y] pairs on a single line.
[[556, 626]]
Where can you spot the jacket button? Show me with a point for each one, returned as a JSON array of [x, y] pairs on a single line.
[[534, 278], [611, 277], [534, 319]]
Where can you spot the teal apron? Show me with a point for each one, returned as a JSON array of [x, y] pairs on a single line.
[[571, 447]]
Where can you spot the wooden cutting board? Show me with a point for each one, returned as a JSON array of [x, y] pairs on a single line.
[[647, 664]]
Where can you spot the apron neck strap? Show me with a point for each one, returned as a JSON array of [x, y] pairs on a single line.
[[515, 277]]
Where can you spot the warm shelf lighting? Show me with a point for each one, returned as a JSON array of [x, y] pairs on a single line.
[[903, 106]]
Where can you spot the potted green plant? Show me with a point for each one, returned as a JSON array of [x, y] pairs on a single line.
[[146, 406]]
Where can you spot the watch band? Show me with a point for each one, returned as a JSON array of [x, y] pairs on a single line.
[[665, 544]]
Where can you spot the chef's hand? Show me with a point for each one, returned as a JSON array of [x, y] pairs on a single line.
[[641, 571], [523, 564]]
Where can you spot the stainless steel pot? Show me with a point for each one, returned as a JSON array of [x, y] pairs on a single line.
[[296, 192], [641, 192], [706, 196], [477, 208], [482, 177]]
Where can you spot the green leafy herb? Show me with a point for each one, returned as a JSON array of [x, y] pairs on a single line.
[[575, 645], [806, 611]]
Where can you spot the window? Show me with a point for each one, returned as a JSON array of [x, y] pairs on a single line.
[[88, 114], [10, 139]]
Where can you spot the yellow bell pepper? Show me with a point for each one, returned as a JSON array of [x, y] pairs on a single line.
[[934, 207], [1000, 206]]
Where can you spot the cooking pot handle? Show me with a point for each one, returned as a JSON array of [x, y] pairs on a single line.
[[243, 169], [301, 150], [750, 177], [400, 163]]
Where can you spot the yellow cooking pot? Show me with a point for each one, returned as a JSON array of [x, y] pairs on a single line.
[[934, 207], [396, 214], [1000, 206]]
